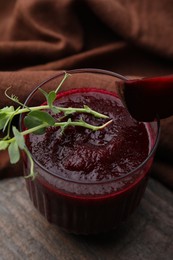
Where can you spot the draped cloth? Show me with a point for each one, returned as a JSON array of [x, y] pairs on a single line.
[[39, 38]]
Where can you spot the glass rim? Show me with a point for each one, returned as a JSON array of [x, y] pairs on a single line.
[[124, 174]]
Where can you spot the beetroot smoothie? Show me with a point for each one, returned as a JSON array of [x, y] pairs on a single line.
[[90, 181]]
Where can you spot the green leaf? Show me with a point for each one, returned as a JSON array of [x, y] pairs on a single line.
[[31, 122], [44, 93], [5, 115], [55, 110], [6, 122], [3, 122], [3, 145], [44, 117], [9, 118], [51, 98], [13, 151], [2, 115], [37, 118], [7, 109], [19, 138]]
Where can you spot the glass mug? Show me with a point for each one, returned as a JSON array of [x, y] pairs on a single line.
[[87, 207]]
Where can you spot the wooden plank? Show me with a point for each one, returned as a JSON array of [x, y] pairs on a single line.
[[24, 234]]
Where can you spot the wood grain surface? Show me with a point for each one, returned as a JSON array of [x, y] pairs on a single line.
[[24, 234]]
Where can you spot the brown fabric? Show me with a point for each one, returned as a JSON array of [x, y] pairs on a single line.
[[40, 37]]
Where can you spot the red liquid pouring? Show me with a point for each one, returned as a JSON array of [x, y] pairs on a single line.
[[89, 182], [149, 97]]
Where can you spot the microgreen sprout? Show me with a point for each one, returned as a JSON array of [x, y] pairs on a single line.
[[37, 120]]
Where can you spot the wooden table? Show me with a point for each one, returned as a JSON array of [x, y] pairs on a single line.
[[24, 234]]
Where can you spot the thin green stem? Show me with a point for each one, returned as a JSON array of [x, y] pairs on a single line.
[[29, 131], [28, 109], [61, 124], [82, 124], [63, 109], [34, 129], [70, 123], [62, 81], [32, 173]]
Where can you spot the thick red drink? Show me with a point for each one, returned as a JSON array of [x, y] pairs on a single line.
[[89, 182]]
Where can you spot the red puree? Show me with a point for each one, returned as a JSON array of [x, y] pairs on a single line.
[[83, 195]]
